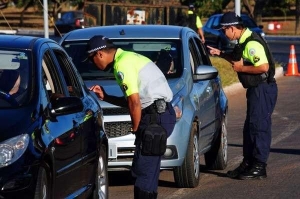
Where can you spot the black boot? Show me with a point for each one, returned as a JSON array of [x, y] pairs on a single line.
[[240, 169], [257, 171], [141, 194]]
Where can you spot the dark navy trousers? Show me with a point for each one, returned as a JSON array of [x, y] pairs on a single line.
[[146, 169], [257, 134]]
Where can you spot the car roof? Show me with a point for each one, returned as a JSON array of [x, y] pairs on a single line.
[[220, 15], [19, 41], [128, 31]]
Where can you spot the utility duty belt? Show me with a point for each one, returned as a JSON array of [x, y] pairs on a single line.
[[252, 80], [154, 136], [158, 106]]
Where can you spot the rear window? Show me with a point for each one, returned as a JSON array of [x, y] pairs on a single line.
[[165, 53]]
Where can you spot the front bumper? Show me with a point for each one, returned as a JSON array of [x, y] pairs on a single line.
[[16, 181]]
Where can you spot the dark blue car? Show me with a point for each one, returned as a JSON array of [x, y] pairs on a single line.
[[217, 39], [52, 142]]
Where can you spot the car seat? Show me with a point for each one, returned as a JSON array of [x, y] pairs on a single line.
[[164, 61]]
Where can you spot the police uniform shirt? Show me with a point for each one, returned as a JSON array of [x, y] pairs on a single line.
[[136, 73], [198, 21], [254, 52]]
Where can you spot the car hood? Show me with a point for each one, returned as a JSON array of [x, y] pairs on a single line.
[[112, 88], [14, 122]]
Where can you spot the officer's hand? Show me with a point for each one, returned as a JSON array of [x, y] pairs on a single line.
[[213, 51], [99, 91], [238, 65]]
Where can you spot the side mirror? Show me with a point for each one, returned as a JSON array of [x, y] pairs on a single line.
[[65, 106], [205, 72]]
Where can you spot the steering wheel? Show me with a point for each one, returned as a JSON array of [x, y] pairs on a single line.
[[8, 98]]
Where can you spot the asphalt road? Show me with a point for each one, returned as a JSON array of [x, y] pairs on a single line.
[[283, 165]]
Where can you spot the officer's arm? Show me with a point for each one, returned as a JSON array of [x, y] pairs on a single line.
[[116, 100], [239, 67], [135, 110]]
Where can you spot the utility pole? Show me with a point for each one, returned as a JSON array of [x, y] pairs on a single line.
[[46, 26], [237, 7]]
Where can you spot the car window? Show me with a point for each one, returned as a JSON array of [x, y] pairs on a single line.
[[215, 22], [165, 53], [15, 70], [209, 22], [70, 77], [194, 61], [50, 79], [203, 59], [197, 53], [67, 16]]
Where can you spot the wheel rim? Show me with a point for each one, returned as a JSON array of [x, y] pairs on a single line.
[[224, 141], [196, 156], [102, 179], [44, 191], [44, 186]]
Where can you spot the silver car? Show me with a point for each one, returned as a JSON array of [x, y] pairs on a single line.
[[199, 100]]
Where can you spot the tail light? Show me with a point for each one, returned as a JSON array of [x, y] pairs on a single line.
[[77, 22]]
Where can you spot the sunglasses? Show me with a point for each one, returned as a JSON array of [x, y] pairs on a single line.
[[91, 58], [225, 28]]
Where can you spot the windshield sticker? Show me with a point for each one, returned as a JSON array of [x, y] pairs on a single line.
[[22, 56]]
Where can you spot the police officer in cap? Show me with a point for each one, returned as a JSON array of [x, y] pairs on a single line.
[[254, 64], [194, 22], [144, 87]]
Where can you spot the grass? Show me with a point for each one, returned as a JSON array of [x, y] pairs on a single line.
[[227, 74]]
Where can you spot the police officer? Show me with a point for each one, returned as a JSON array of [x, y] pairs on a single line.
[[143, 84], [253, 62], [194, 22]]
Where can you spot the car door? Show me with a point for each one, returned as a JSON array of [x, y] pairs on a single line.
[[85, 121], [203, 96], [61, 134]]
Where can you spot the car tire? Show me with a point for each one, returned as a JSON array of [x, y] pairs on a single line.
[[216, 158], [43, 185], [188, 174], [101, 183]]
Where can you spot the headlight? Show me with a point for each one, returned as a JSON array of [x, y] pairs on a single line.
[[12, 149]]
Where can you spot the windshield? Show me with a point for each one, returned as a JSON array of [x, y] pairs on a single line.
[[165, 53], [14, 77]]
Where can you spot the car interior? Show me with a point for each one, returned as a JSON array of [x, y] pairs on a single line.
[[14, 67]]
